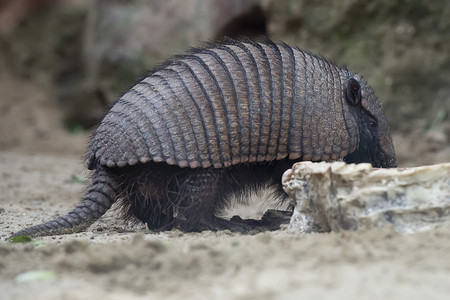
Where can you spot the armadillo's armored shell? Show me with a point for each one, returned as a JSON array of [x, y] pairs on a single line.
[[227, 104]]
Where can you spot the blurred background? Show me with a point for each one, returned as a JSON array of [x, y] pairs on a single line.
[[62, 63]]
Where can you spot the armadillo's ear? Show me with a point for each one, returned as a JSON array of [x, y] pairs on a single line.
[[353, 93]]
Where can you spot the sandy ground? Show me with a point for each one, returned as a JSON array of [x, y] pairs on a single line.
[[114, 260]]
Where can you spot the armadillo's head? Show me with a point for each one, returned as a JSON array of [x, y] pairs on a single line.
[[375, 141]]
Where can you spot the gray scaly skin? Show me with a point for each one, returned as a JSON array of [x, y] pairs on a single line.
[[97, 200], [219, 121]]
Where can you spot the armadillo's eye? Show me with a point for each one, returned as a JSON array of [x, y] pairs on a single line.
[[373, 122], [370, 119]]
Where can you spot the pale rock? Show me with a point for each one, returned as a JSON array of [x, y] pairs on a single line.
[[336, 196]]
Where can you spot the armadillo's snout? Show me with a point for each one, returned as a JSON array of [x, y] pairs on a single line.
[[389, 162], [386, 156]]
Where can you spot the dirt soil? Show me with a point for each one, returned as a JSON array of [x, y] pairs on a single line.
[[41, 174]]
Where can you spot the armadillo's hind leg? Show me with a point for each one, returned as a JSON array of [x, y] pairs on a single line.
[[97, 200], [197, 197]]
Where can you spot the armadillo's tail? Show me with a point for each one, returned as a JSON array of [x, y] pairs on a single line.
[[98, 199]]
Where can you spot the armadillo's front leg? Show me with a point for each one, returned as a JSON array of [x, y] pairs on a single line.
[[98, 199]]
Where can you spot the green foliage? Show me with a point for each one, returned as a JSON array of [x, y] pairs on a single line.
[[74, 127], [21, 239], [77, 179], [35, 275]]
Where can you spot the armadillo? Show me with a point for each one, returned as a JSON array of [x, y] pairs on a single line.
[[223, 120]]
